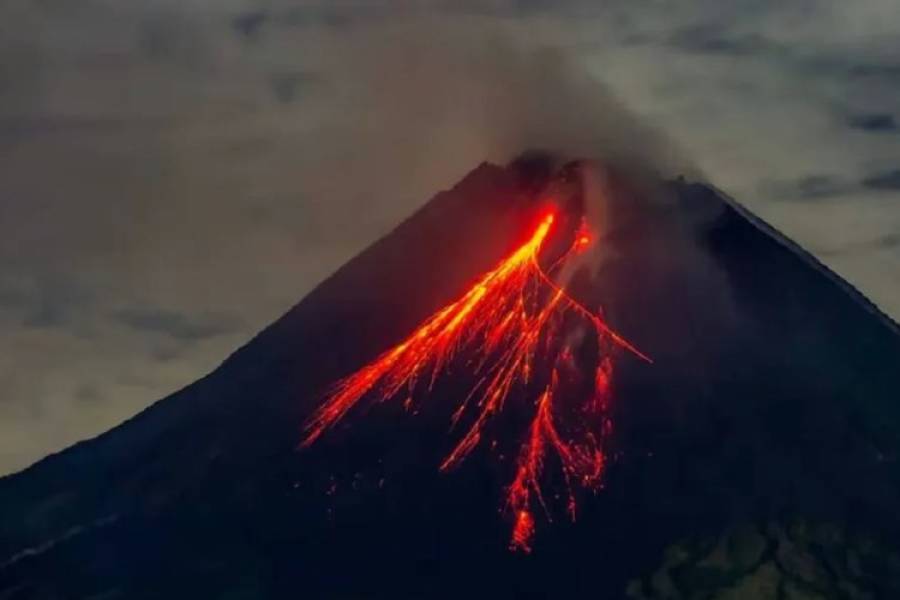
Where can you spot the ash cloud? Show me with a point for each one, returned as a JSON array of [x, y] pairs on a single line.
[[473, 92]]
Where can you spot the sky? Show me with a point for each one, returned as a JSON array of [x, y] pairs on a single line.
[[176, 174]]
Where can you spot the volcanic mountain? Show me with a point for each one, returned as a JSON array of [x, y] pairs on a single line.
[[745, 427]]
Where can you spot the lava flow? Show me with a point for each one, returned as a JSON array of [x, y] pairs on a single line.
[[518, 330]]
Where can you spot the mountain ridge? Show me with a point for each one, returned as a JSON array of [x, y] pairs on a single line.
[[808, 256], [770, 392]]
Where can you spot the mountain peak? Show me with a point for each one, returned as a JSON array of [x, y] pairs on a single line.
[[771, 392]]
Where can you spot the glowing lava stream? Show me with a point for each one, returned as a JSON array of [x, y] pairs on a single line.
[[511, 324]]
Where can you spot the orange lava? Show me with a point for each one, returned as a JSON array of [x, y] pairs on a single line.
[[513, 326]]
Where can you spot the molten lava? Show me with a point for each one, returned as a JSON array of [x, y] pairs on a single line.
[[518, 329]]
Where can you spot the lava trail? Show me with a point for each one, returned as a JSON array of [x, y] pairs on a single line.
[[515, 329]]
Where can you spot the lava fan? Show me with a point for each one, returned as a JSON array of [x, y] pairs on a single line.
[[516, 328]]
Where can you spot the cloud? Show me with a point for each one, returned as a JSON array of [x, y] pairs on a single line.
[[887, 71], [11, 298], [810, 187], [874, 122], [887, 241], [891, 240], [45, 300], [883, 181], [712, 39], [288, 87], [176, 325], [249, 24], [89, 393]]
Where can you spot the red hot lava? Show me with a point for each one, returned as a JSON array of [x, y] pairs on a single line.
[[517, 328]]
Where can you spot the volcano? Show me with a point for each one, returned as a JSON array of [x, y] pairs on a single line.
[[554, 380]]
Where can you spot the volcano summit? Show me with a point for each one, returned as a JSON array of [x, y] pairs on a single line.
[[553, 380]]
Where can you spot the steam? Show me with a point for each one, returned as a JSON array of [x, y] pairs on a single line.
[[429, 100]]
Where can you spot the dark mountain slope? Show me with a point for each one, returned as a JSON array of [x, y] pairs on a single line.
[[773, 395]]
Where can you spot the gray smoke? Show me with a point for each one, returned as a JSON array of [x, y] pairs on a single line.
[[422, 96]]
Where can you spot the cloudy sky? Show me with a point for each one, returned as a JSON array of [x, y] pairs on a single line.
[[175, 174]]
